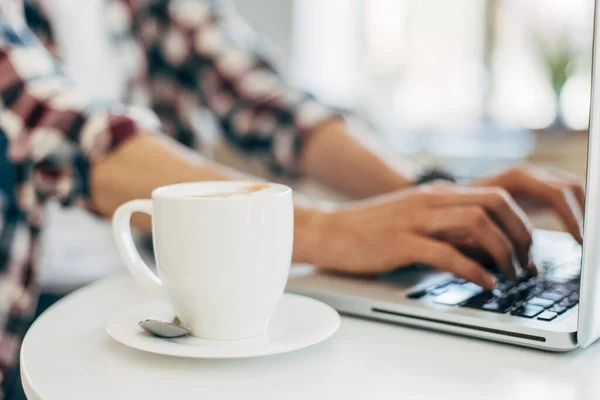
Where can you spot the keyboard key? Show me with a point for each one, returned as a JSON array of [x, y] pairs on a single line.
[[523, 293], [496, 307], [572, 303], [550, 295], [574, 296], [437, 291], [471, 286], [479, 300], [505, 284], [572, 286], [547, 316], [428, 290], [539, 289], [527, 311], [509, 301], [509, 298], [455, 295], [558, 308], [538, 301], [417, 295], [560, 289], [568, 302]]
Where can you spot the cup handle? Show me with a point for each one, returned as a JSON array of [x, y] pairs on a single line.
[[138, 269]]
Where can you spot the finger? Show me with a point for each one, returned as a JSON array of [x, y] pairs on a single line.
[[444, 256], [533, 269], [505, 211], [574, 182], [473, 224], [579, 192], [566, 205]]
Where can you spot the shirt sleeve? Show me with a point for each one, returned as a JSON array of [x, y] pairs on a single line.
[[204, 51], [53, 130]]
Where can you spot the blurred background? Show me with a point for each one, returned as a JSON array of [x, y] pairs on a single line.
[[475, 84]]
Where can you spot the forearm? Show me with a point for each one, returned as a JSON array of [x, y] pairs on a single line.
[[146, 162], [345, 161], [142, 164]]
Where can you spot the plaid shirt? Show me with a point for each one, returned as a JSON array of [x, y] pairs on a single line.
[[179, 57]]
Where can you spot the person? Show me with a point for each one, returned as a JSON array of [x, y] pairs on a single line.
[[181, 56]]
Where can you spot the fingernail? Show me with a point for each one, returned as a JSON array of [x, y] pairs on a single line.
[[517, 266], [533, 269], [489, 281]]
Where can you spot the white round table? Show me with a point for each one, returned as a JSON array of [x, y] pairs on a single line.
[[67, 354]]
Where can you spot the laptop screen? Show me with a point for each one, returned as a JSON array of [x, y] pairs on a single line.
[[588, 324]]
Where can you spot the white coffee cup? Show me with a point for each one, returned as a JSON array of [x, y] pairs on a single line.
[[223, 252]]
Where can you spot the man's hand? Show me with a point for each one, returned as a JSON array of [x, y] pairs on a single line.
[[561, 191], [448, 226], [432, 224]]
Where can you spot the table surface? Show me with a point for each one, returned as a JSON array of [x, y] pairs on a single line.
[[67, 354]]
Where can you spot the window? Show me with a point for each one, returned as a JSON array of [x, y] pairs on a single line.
[[416, 65]]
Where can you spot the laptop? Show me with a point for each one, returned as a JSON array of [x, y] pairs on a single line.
[[558, 310]]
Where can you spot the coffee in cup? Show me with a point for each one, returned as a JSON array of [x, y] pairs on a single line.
[[246, 190]]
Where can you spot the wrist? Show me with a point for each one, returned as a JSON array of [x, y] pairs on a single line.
[[433, 174], [343, 155], [309, 226], [335, 123]]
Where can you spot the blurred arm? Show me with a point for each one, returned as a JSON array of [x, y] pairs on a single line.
[[146, 162], [344, 160], [205, 53], [54, 132]]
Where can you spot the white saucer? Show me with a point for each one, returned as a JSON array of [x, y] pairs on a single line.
[[298, 322]]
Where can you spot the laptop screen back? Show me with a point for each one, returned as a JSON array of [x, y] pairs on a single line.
[[589, 323]]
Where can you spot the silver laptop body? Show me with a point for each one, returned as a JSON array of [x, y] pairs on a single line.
[[386, 297]]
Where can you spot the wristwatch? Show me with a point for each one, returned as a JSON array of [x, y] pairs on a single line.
[[434, 174]]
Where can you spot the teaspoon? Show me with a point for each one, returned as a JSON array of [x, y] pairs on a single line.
[[164, 329]]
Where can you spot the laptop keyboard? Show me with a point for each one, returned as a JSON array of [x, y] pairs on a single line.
[[545, 296]]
